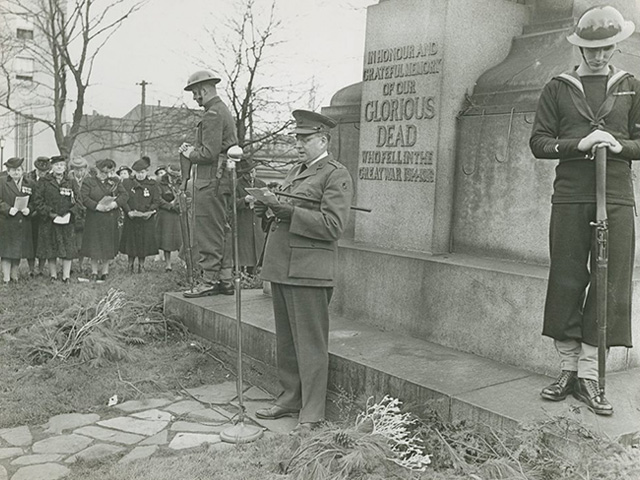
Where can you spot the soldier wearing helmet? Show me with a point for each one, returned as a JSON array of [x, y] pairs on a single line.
[[594, 104], [203, 165]]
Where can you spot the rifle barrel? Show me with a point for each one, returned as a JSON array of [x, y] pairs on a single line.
[[313, 200]]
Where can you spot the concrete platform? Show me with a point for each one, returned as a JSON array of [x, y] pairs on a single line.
[[369, 361]]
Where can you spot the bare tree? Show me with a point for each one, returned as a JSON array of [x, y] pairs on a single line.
[[67, 38], [247, 47]]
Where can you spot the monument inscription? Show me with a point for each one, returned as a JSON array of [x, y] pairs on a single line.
[[398, 114]]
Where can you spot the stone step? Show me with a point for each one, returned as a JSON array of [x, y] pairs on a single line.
[[366, 361]]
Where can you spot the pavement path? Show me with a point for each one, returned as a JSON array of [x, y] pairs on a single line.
[[130, 431]]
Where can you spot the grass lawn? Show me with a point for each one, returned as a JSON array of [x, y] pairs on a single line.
[[138, 353]]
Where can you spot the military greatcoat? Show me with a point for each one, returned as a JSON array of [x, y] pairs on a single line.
[[215, 134], [300, 261]]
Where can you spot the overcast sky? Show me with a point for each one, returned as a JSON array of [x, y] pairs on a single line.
[[163, 43]]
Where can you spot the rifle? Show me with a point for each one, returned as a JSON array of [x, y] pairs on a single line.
[[601, 256], [185, 229]]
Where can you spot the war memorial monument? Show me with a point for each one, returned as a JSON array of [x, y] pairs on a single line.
[[441, 288]]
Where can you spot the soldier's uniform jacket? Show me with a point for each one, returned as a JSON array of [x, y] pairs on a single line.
[[215, 133], [304, 252]]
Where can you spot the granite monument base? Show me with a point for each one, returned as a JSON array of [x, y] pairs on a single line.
[[488, 307]]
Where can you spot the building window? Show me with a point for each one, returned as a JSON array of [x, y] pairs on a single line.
[[24, 34], [24, 139], [24, 68]]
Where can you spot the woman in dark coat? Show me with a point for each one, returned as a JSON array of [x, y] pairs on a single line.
[[42, 167], [139, 232], [168, 228], [16, 241], [79, 170], [102, 197], [250, 233], [56, 201]]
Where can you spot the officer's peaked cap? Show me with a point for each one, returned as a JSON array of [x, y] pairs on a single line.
[[308, 122]]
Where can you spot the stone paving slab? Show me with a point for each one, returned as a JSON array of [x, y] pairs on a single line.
[[190, 440], [108, 435], [136, 405], [96, 452], [139, 453], [182, 426], [256, 393], [215, 394], [62, 444], [157, 439], [135, 425], [69, 421], [184, 406], [10, 452], [45, 471], [154, 414], [212, 415], [37, 458], [17, 437]]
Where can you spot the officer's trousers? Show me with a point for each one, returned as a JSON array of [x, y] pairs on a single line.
[[302, 335]]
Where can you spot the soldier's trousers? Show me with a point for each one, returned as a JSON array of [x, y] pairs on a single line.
[[212, 234], [570, 308], [302, 336]]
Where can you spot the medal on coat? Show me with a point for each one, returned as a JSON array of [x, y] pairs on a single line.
[[66, 192], [26, 190], [146, 193]]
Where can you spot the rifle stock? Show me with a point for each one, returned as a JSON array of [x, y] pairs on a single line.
[[601, 256]]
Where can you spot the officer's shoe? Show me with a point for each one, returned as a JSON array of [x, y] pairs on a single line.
[[202, 290], [563, 386], [275, 412], [224, 287], [588, 391]]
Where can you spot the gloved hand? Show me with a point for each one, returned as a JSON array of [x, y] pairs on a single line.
[[283, 211], [260, 209]]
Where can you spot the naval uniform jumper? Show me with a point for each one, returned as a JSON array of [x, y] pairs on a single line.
[[568, 110], [300, 260]]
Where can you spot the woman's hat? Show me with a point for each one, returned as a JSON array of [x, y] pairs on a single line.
[[122, 168], [105, 164], [139, 165], [56, 159], [160, 167], [13, 162], [42, 164], [78, 162]]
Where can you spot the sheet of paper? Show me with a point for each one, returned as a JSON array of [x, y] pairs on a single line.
[[263, 195], [21, 203], [62, 220], [106, 200]]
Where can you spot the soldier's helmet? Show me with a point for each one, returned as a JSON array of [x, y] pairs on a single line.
[[199, 77], [600, 27]]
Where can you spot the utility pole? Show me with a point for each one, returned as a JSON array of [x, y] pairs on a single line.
[[143, 118]]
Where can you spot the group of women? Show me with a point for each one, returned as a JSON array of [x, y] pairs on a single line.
[[64, 210]]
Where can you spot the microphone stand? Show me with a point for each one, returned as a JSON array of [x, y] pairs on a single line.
[[240, 432]]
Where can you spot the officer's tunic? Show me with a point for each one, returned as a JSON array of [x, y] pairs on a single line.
[[101, 237], [16, 240], [563, 118], [300, 260], [214, 135], [54, 199], [139, 234]]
